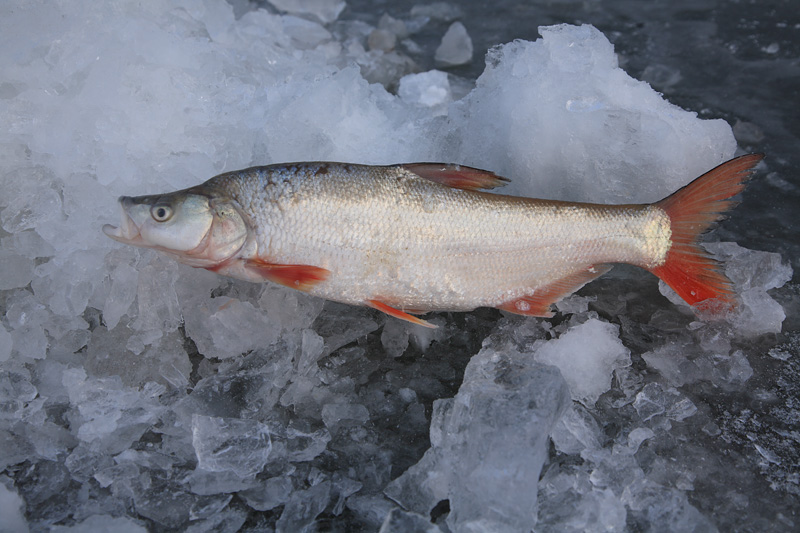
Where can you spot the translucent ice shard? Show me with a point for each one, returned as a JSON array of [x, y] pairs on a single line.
[[488, 445], [230, 444]]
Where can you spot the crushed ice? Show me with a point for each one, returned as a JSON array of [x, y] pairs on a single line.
[[137, 393]]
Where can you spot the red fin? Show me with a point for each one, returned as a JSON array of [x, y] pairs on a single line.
[[538, 303], [687, 268], [391, 311], [301, 277], [457, 176]]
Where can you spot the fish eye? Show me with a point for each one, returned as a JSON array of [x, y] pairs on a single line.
[[161, 213]]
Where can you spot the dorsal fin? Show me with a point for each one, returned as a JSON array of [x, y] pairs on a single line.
[[457, 176]]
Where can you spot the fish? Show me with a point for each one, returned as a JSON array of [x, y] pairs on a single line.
[[412, 238]]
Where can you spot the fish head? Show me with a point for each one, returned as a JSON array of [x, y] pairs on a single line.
[[196, 227]]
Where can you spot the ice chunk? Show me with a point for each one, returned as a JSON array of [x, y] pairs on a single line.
[[17, 270], [207, 483], [337, 414], [158, 302], [269, 494], [394, 338], [726, 370], [577, 430], [230, 444], [303, 507], [569, 504], [488, 444], [111, 416], [31, 199], [323, 10], [102, 524], [65, 284], [399, 521], [11, 508], [28, 243], [6, 344], [162, 500], [343, 327], [427, 89], [26, 316], [289, 308], [305, 34], [216, 326], [229, 520], [394, 26], [124, 285], [587, 355], [654, 400], [668, 507], [343, 487], [456, 46]]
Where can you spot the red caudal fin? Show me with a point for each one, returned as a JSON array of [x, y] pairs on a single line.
[[687, 268]]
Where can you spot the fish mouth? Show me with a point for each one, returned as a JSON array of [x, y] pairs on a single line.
[[128, 231]]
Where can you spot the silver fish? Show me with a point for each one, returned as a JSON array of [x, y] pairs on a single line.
[[407, 239]]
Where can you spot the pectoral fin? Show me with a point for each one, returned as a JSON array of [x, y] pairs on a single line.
[[300, 277], [402, 315], [457, 176], [538, 303]]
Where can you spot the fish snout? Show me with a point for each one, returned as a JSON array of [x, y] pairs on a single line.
[[127, 231]]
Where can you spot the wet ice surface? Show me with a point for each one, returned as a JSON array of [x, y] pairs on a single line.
[[137, 394]]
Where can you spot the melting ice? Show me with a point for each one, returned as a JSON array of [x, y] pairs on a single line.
[[139, 394]]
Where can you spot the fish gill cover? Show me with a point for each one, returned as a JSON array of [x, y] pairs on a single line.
[[140, 394]]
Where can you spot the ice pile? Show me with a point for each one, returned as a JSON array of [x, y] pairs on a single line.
[[138, 393]]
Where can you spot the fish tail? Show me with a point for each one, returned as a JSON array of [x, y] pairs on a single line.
[[688, 268]]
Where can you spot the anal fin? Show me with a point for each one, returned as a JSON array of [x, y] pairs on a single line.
[[300, 277], [457, 176], [402, 315], [538, 303]]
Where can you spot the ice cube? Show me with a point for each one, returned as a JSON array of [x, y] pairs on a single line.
[[456, 46], [428, 89], [587, 355]]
